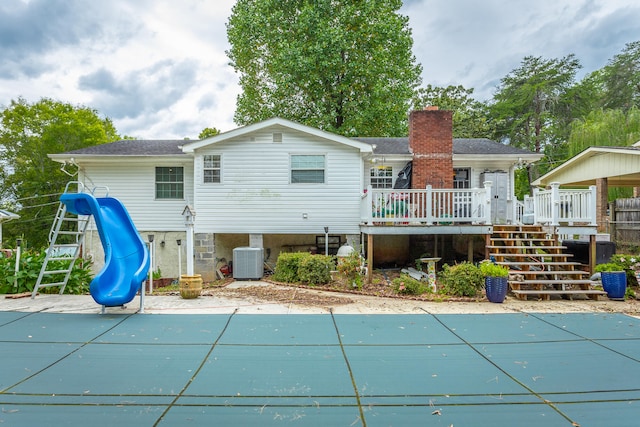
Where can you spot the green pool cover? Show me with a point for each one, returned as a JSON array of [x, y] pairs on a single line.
[[324, 370]]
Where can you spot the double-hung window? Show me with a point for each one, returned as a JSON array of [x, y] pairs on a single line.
[[169, 182], [212, 168], [308, 169]]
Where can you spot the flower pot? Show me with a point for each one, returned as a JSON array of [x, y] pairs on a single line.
[[190, 286], [496, 288], [614, 283]]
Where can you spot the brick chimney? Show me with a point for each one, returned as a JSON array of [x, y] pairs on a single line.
[[431, 142]]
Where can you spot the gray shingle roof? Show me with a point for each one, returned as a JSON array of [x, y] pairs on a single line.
[[460, 146], [388, 146], [135, 147]]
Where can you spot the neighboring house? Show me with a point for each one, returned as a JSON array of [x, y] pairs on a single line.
[[277, 184]]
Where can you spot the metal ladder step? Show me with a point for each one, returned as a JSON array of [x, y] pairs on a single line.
[[81, 223], [52, 272]]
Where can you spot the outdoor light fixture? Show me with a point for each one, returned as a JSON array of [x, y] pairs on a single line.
[[150, 238], [179, 242]]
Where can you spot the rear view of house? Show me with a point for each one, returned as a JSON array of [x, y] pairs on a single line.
[[282, 186]]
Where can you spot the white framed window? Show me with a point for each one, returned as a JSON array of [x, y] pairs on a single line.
[[307, 169], [462, 178], [169, 182], [381, 177], [212, 168]]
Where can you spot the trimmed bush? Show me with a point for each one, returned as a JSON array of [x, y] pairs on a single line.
[[287, 266], [316, 269], [463, 279], [296, 267]]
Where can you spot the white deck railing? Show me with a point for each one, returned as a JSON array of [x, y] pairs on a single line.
[[427, 207], [431, 206], [557, 206]]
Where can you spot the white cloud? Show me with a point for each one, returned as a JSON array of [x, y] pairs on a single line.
[[159, 68]]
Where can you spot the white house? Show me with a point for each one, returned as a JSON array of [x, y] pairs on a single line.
[[278, 184]]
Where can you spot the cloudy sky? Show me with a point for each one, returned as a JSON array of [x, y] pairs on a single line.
[[158, 68]]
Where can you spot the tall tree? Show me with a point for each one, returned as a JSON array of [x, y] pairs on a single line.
[[528, 98], [339, 65], [30, 182], [620, 79], [470, 118]]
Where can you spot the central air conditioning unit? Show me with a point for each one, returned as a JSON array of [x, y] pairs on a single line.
[[247, 263]]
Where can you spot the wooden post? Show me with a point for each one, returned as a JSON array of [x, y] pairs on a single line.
[[369, 258], [592, 253], [487, 242]]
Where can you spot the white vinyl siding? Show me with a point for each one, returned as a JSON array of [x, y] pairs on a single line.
[[133, 183], [257, 196]]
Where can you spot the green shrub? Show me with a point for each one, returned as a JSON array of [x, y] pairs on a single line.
[[29, 269], [316, 269], [489, 269], [407, 285], [287, 266], [464, 279]]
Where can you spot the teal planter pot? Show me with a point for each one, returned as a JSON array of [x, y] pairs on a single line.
[[614, 284]]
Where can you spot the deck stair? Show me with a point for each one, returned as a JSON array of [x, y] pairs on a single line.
[[538, 265]]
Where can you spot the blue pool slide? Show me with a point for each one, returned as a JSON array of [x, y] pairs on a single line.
[[126, 258]]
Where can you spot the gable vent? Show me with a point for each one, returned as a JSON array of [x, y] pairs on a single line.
[[277, 137]]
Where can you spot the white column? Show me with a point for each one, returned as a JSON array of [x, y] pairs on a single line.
[[190, 239]]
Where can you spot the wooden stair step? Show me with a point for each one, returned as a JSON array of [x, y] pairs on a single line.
[[591, 293], [527, 247], [528, 255], [552, 282], [550, 272], [510, 227], [521, 235], [558, 291], [535, 264]]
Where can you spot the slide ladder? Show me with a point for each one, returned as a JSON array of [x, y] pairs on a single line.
[[65, 241]]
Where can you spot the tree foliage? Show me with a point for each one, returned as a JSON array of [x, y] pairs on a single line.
[[470, 117], [30, 182], [208, 132], [530, 100], [620, 79], [605, 128], [338, 65]]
